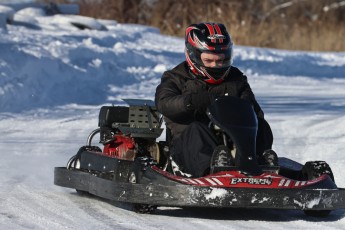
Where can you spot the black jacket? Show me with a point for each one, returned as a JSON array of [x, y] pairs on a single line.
[[173, 95]]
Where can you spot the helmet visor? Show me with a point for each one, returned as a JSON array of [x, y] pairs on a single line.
[[216, 65], [215, 59]]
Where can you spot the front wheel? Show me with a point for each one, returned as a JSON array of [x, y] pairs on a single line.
[[312, 170]]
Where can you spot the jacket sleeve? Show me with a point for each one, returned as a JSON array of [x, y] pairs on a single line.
[[170, 101]]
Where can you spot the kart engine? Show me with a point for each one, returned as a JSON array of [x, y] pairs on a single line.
[[135, 129], [128, 148], [122, 147]]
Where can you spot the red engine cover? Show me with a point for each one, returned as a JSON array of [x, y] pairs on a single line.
[[123, 148]]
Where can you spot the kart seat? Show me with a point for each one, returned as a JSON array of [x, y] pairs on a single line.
[[113, 114]]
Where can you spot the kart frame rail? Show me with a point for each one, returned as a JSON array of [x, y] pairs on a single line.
[[182, 195]]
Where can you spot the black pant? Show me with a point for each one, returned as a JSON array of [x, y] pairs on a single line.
[[193, 149]]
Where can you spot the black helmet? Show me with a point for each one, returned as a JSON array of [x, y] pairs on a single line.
[[208, 37]]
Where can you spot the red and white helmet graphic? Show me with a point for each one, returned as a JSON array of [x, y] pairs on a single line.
[[208, 38]]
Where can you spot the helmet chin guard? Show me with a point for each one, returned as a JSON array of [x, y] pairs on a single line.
[[215, 75]]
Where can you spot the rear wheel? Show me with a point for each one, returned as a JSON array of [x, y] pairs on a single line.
[[312, 170], [83, 193], [144, 208], [74, 163], [135, 177]]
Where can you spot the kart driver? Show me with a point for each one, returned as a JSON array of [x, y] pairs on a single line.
[[186, 91]]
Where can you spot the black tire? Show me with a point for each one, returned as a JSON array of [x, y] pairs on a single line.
[[73, 161], [82, 193], [135, 177], [312, 170], [144, 208]]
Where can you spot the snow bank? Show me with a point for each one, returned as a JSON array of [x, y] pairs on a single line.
[[6, 16], [61, 8]]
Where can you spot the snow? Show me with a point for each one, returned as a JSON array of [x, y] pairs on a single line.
[[216, 193], [6, 14], [55, 77]]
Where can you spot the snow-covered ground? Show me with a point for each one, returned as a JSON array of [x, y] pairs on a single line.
[[54, 78]]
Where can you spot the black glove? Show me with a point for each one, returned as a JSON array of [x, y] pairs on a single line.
[[194, 86], [218, 90], [200, 101]]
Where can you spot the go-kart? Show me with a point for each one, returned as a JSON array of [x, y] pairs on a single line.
[[136, 168]]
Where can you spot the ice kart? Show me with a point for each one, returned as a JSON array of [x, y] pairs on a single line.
[[137, 169]]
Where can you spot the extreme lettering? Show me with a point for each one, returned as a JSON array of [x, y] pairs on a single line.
[[249, 180]]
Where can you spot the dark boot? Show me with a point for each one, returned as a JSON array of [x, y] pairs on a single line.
[[269, 157], [221, 157]]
